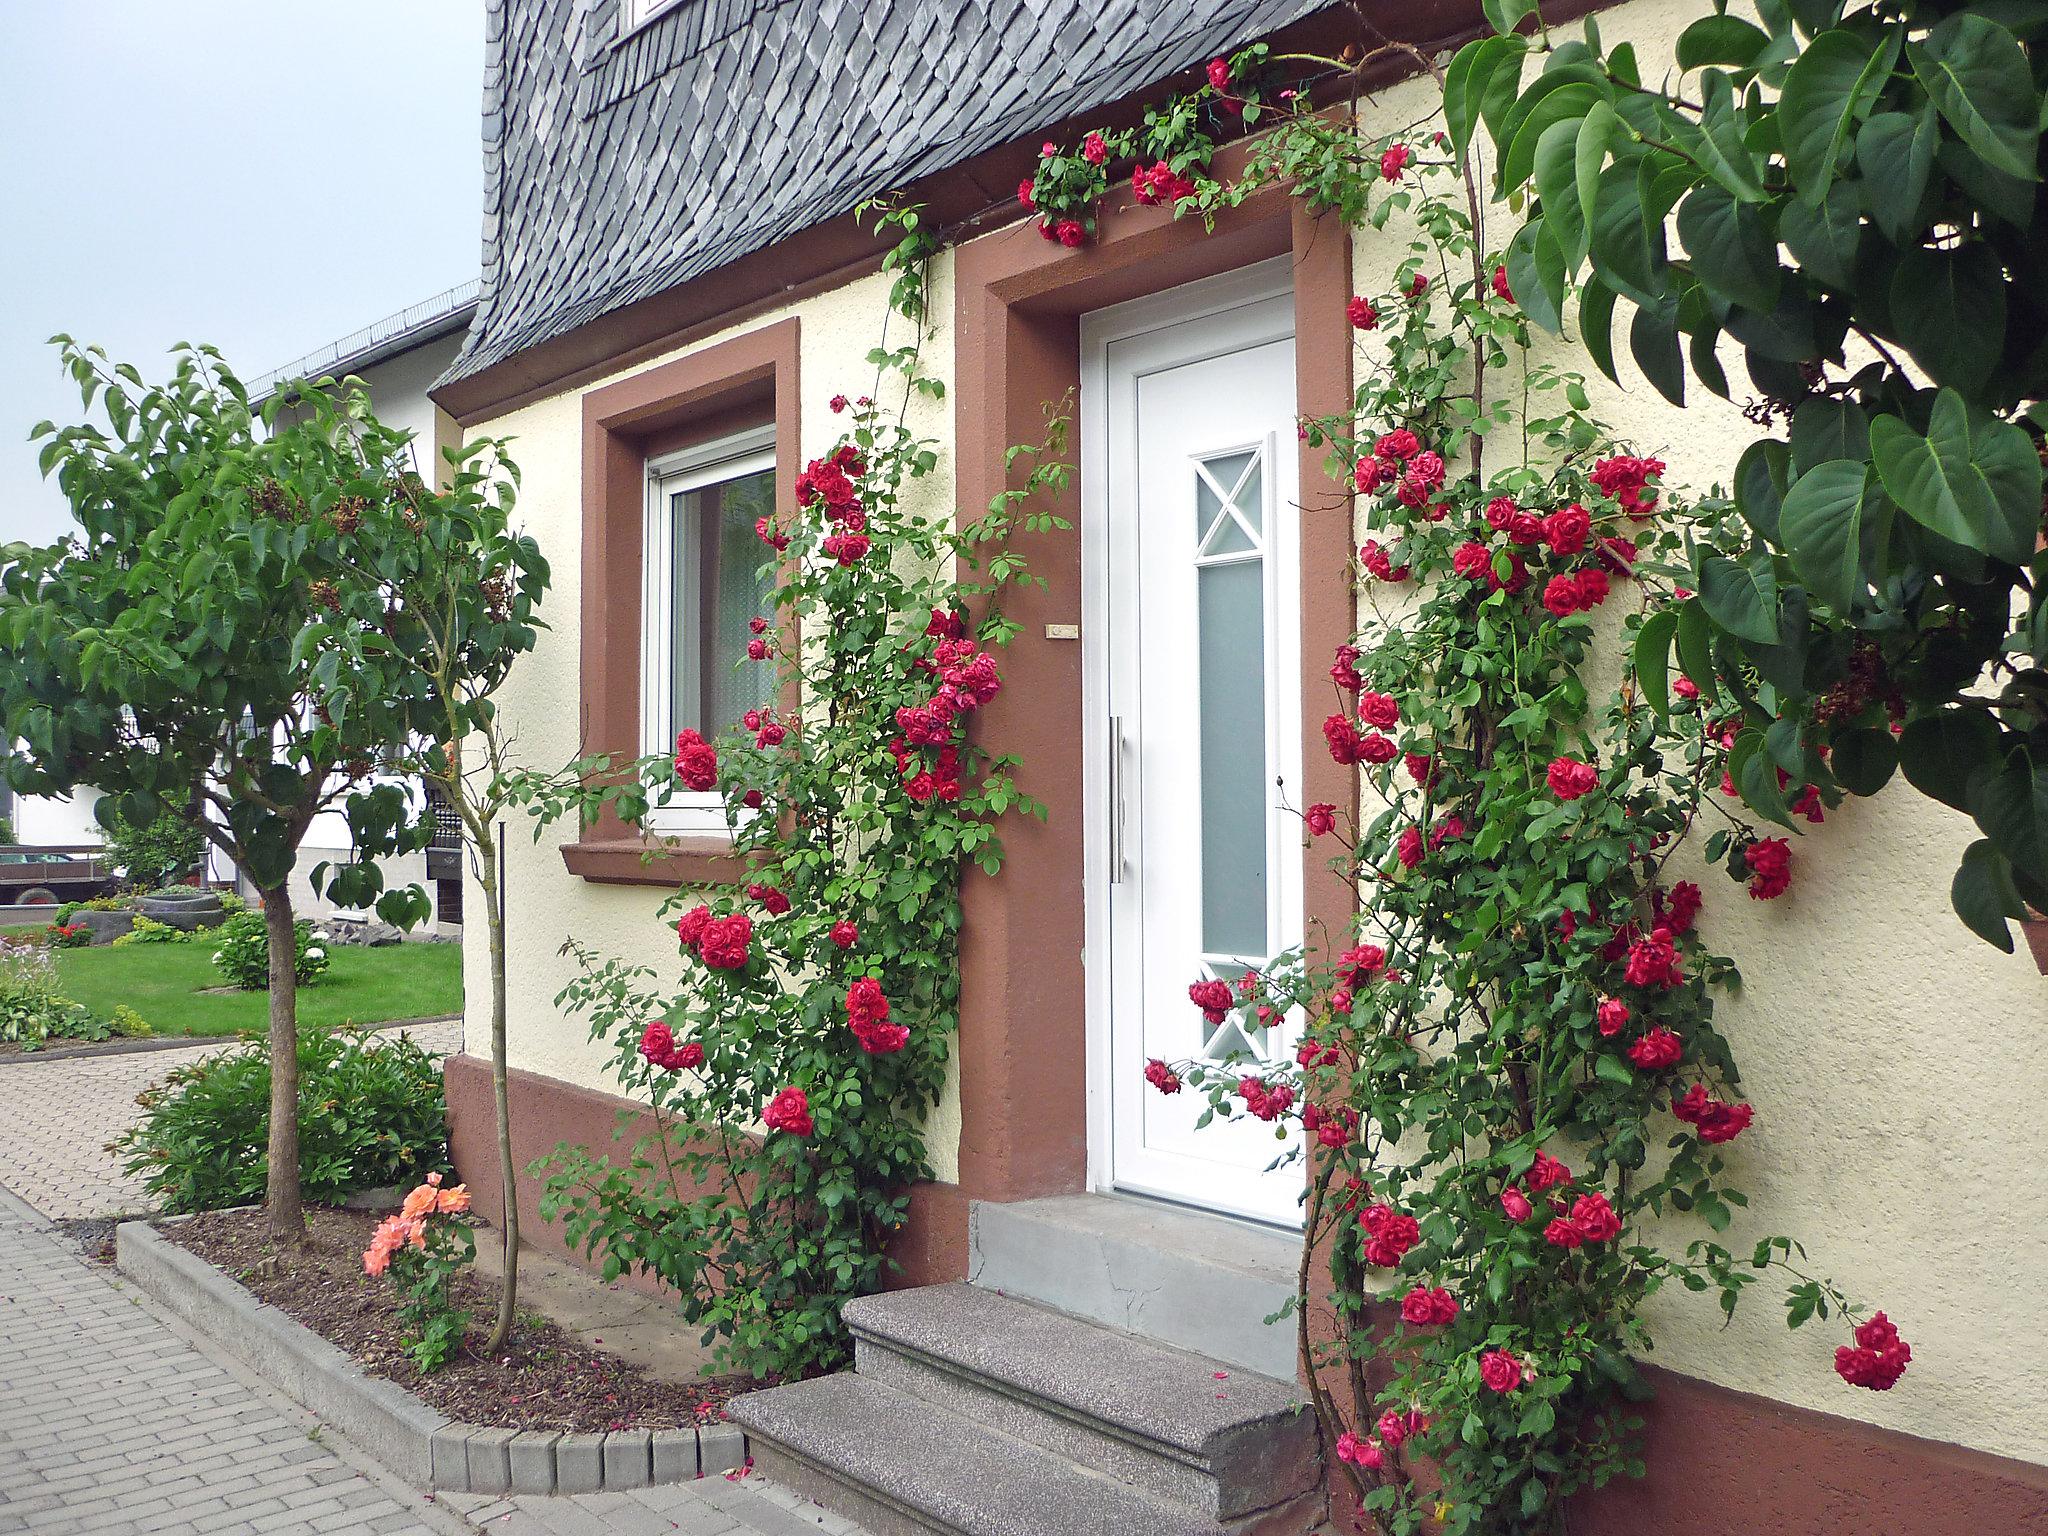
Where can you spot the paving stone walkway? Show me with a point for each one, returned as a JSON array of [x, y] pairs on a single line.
[[56, 1118]]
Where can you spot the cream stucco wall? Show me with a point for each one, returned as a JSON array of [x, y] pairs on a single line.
[[1895, 1063], [544, 902]]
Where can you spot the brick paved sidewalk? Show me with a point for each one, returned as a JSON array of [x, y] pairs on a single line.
[[113, 1423], [56, 1118]]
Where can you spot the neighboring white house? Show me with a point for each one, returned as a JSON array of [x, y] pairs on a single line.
[[51, 821], [396, 358]]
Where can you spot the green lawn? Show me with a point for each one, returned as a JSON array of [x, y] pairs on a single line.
[[165, 984]]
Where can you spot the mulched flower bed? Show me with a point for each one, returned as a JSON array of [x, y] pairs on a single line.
[[545, 1379]]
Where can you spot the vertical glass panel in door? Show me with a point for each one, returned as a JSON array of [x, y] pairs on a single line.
[[1231, 607]]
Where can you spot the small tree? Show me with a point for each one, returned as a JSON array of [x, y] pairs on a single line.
[[216, 641], [467, 592]]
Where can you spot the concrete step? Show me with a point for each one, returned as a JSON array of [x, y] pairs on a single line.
[[1191, 1279], [1221, 1440], [902, 1466]]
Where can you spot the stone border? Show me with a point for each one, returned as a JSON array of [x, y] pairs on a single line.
[[418, 1443], [194, 1042]]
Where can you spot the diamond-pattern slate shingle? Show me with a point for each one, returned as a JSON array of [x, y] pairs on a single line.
[[613, 170]]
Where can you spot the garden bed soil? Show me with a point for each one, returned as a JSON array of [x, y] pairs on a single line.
[[546, 1379]]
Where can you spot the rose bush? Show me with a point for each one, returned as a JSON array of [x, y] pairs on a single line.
[[1508, 1078], [792, 1061]]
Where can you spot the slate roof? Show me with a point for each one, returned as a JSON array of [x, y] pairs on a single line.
[[615, 169]]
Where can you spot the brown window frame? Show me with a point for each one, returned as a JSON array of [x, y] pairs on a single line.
[[723, 389]]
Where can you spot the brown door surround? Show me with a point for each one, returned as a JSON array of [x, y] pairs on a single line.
[[1018, 303]]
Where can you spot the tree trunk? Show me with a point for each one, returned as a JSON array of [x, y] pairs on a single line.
[[281, 1199], [494, 921]]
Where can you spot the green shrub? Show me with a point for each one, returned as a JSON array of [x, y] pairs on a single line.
[[32, 1010], [6, 832], [148, 930], [243, 954], [157, 854], [128, 1024], [64, 934], [370, 1114]]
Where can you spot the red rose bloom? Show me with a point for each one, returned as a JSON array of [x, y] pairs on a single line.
[[1501, 1371], [769, 897], [1682, 909], [1624, 478], [1161, 1076], [727, 941], [1321, 819], [867, 1015], [1389, 1234], [1770, 864], [1214, 998], [1024, 197], [1500, 285], [1070, 233], [1376, 749], [1546, 1172], [1473, 561], [1370, 474], [1263, 1099], [1879, 1359], [1398, 444], [1567, 529], [1380, 709], [690, 926], [1408, 847], [1361, 315], [1563, 1233], [1394, 160], [1657, 1050], [1613, 1015], [1393, 1427], [1571, 779], [1595, 1218], [1378, 563], [696, 761], [789, 1112], [845, 934], [1094, 150], [1715, 1120], [1346, 747], [657, 1043], [1515, 1205], [1418, 285], [1429, 1307], [1219, 74], [757, 650], [1654, 962]]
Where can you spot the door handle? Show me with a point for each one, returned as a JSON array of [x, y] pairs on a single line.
[[1116, 799]]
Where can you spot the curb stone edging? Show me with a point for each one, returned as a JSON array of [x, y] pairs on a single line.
[[418, 1443]]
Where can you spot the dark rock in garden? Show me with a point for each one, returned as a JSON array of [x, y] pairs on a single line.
[[106, 926], [202, 909], [348, 930]]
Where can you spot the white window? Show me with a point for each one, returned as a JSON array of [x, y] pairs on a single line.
[[635, 14], [707, 576]]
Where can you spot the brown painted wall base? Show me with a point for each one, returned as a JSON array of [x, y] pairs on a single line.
[[547, 1111], [1720, 1462]]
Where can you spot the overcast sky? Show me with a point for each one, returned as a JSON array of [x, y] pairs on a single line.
[[265, 175]]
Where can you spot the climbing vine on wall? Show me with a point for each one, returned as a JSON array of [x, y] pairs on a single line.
[[1508, 1075], [792, 1060]]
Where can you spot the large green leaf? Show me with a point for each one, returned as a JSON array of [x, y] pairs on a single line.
[[1760, 478], [1972, 479], [1977, 75], [1722, 144], [1942, 752], [1545, 104], [1821, 528], [1653, 340], [1823, 237], [1596, 325], [1557, 184], [1481, 82], [1894, 155], [1720, 40], [1756, 775], [1833, 84], [1824, 428], [2010, 803], [1627, 252], [1589, 153], [1696, 647], [1864, 760], [1731, 250], [1653, 658], [1742, 600], [1984, 896], [1948, 307], [1536, 274]]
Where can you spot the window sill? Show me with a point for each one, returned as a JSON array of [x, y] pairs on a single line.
[[693, 859]]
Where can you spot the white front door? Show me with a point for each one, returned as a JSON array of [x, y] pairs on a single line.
[[1192, 637]]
